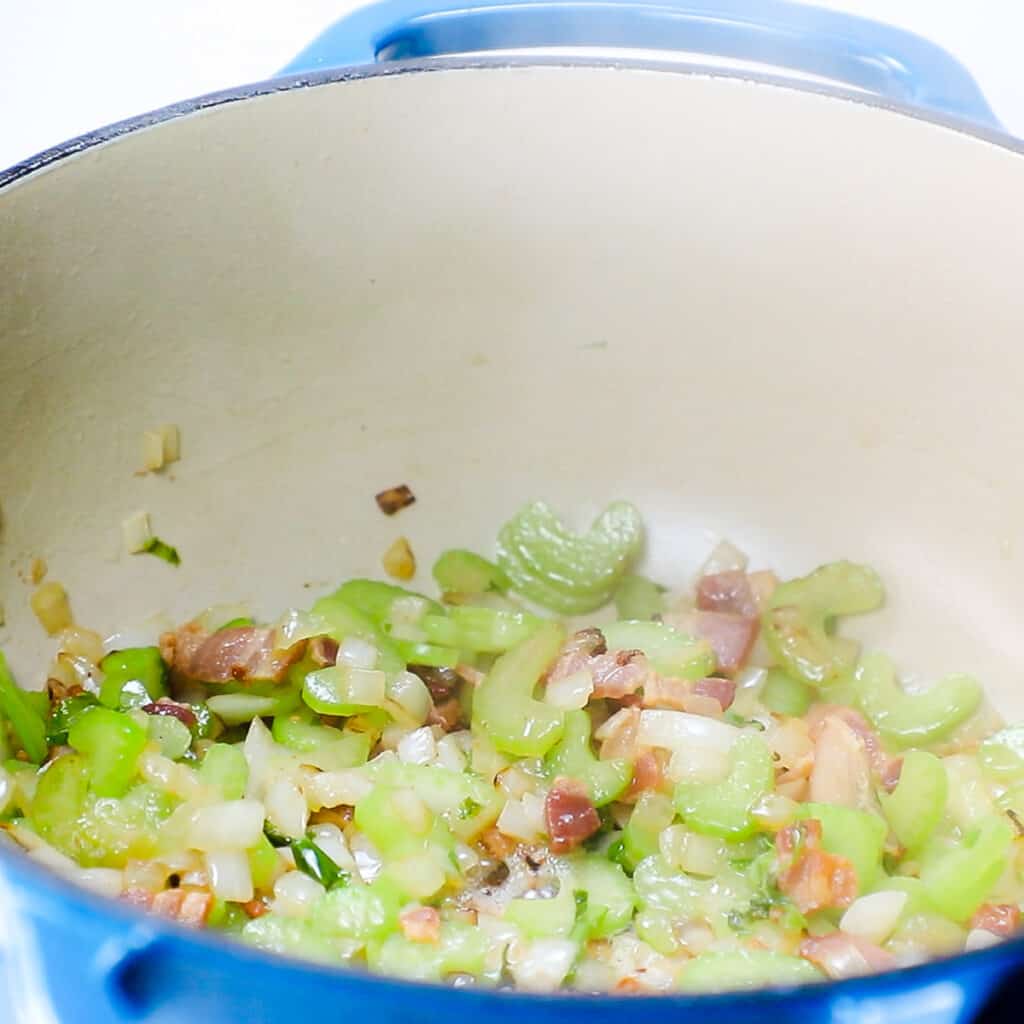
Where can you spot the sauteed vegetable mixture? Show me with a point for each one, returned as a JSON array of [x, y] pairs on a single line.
[[682, 791]]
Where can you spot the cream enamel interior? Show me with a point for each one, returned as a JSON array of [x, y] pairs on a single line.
[[759, 313]]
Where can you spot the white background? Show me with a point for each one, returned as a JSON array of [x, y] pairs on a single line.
[[67, 66]]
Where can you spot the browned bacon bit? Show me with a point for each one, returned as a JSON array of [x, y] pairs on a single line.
[[441, 682], [255, 908], [577, 653], [182, 712], [394, 499], [647, 774], [727, 592], [57, 690], [842, 767], [810, 876], [628, 986], [731, 637], [997, 918], [188, 906], [447, 714], [323, 651], [722, 690], [420, 924], [497, 844], [891, 775], [618, 674], [243, 654], [138, 897], [846, 956], [569, 814], [819, 715], [663, 692]]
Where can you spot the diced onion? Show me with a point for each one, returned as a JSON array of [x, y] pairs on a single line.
[[725, 557], [105, 881], [874, 917], [233, 825], [417, 747], [230, 876], [136, 532], [259, 750], [518, 823], [692, 853], [357, 652], [335, 789], [980, 938], [295, 894], [571, 692], [367, 858], [331, 840], [410, 807], [541, 965], [700, 745], [82, 643], [399, 561], [286, 808], [450, 754], [51, 607], [410, 693], [170, 437]]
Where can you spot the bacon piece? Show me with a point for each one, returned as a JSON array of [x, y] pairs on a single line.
[[727, 592], [842, 767], [576, 654], [497, 844], [618, 674], [663, 692], [846, 956], [243, 654], [323, 650], [182, 712], [420, 924], [569, 814], [447, 714], [731, 637], [647, 774], [255, 908], [721, 690], [138, 897], [812, 877], [891, 775], [187, 906], [394, 499], [819, 715], [441, 682], [997, 918]]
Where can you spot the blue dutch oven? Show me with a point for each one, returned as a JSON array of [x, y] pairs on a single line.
[[81, 229]]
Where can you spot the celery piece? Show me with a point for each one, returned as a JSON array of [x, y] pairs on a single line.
[[652, 813], [28, 724], [544, 918], [727, 970], [416, 653], [342, 620], [798, 620], [60, 800], [856, 835], [657, 929], [238, 623], [481, 630], [670, 652], [461, 950], [723, 808], [162, 550], [915, 807], [661, 887], [638, 598], [462, 572], [563, 571], [958, 880], [573, 757], [113, 742], [63, 713], [312, 861], [360, 911], [377, 600], [238, 708], [785, 695], [344, 690], [1002, 754], [611, 898], [504, 706], [132, 674], [174, 738], [263, 862], [290, 936], [907, 719], [322, 746], [225, 767]]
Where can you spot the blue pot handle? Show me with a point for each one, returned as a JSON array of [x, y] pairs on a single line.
[[885, 61]]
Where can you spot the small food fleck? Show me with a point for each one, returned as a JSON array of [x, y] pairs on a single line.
[[51, 607], [37, 570], [160, 548], [394, 499], [160, 447], [399, 561], [136, 532]]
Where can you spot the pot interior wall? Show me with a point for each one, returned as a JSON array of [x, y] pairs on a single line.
[[790, 320]]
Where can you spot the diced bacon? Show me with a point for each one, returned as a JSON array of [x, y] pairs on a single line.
[[187, 906], [138, 897], [812, 877], [842, 767], [441, 682], [647, 775], [243, 654], [727, 592], [731, 637], [628, 985], [420, 924], [721, 690], [576, 654], [997, 918], [618, 674], [471, 675], [846, 956], [447, 714], [182, 712], [762, 585], [697, 704], [255, 908], [663, 692], [497, 844], [323, 650], [569, 815], [820, 713], [891, 775]]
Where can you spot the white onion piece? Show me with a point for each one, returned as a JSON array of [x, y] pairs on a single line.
[[171, 776], [259, 750], [542, 965], [980, 938], [295, 894], [571, 692], [357, 652], [331, 840], [212, 618], [286, 808], [367, 858], [335, 789], [230, 876], [407, 611], [724, 557], [450, 754], [105, 881], [700, 745], [692, 853], [233, 825], [296, 625], [6, 789], [410, 693], [874, 917], [517, 823], [417, 747], [409, 806]]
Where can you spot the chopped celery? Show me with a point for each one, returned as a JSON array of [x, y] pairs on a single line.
[[797, 623], [28, 724], [958, 880], [545, 918], [360, 911], [263, 862], [726, 970], [291, 936], [238, 623], [378, 600], [785, 695], [162, 550], [572, 756], [113, 743], [856, 835], [174, 738], [481, 630], [462, 572], [322, 746], [417, 653], [563, 571], [504, 706], [1002, 754], [913, 718], [638, 598], [914, 808], [344, 690], [238, 708], [64, 713], [312, 861], [657, 929], [132, 674], [672, 653], [60, 800], [342, 620], [723, 808], [225, 767], [610, 896], [661, 887], [461, 950], [652, 813]]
